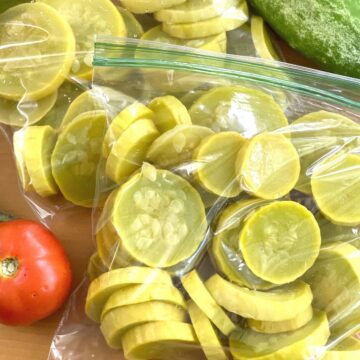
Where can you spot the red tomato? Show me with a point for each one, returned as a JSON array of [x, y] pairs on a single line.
[[35, 274]]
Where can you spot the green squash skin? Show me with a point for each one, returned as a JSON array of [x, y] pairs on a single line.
[[326, 31]]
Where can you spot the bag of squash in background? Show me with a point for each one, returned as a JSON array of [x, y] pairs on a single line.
[[231, 222]]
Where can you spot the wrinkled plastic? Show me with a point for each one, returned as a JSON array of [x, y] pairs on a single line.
[[324, 143]]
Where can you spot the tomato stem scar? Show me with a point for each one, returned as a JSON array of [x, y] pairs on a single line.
[[9, 267]]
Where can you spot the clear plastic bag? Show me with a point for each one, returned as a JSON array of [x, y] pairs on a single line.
[[262, 151]]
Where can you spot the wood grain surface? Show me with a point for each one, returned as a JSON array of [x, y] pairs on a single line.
[[73, 227]]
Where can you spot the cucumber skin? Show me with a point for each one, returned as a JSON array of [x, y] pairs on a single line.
[[327, 31]]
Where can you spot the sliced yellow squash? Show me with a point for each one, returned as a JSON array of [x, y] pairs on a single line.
[[129, 151], [336, 188], [121, 319], [230, 19], [348, 349], [274, 327], [245, 110], [149, 6], [39, 144], [205, 332], [268, 166], [335, 282], [193, 11], [169, 112], [177, 145], [215, 163], [137, 294], [106, 284], [122, 121], [159, 217], [275, 305], [24, 113], [41, 54], [202, 298], [301, 344], [87, 19], [162, 340], [225, 249], [280, 241]]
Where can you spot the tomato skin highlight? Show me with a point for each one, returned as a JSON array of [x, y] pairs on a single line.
[[35, 273]]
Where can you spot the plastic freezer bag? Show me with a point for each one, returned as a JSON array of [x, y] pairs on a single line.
[[231, 228]]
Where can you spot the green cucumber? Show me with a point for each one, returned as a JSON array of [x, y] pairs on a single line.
[[327, 31]]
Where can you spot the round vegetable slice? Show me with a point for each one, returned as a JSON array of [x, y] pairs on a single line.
[[177, 145], [38, 67], [137, 294], [88, 18], [122, 121], [23, 113], [161, 340], [274, 327], [230, 19], [133, 26], [335, 282], [276, 305], [215, 161], [159, 217], [169, 112], [39, 143], [280, 241], [19, 153], [193, 11], [348, 349], [336, 188], [261, 39], [245, 110], [95, 267], [225, 245], [129, 151], [120, 320], [268, 166], [301, 344], [318, 135], [106, 284], [149, 6], [206, 334], [76, 157], [216, 42], [202, 298]]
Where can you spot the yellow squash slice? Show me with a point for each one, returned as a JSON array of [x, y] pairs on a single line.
[[106, 284], [120, 320], [207, 335], [301, 344], [268, 166], [169, 112], [336, 188], [24, 113], [193, 11], [129, 151], [87, 19], [41, 54], [275, 305], [225, 249], [39, 143], [159, 217], [149, 6], [274, 327], [348, 349], [245, 110], [122, 121], [162, 340], [176, 146], [335, 282], [230, 19], [280, 241], [138, 294], [215, 162], [202, 298]]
